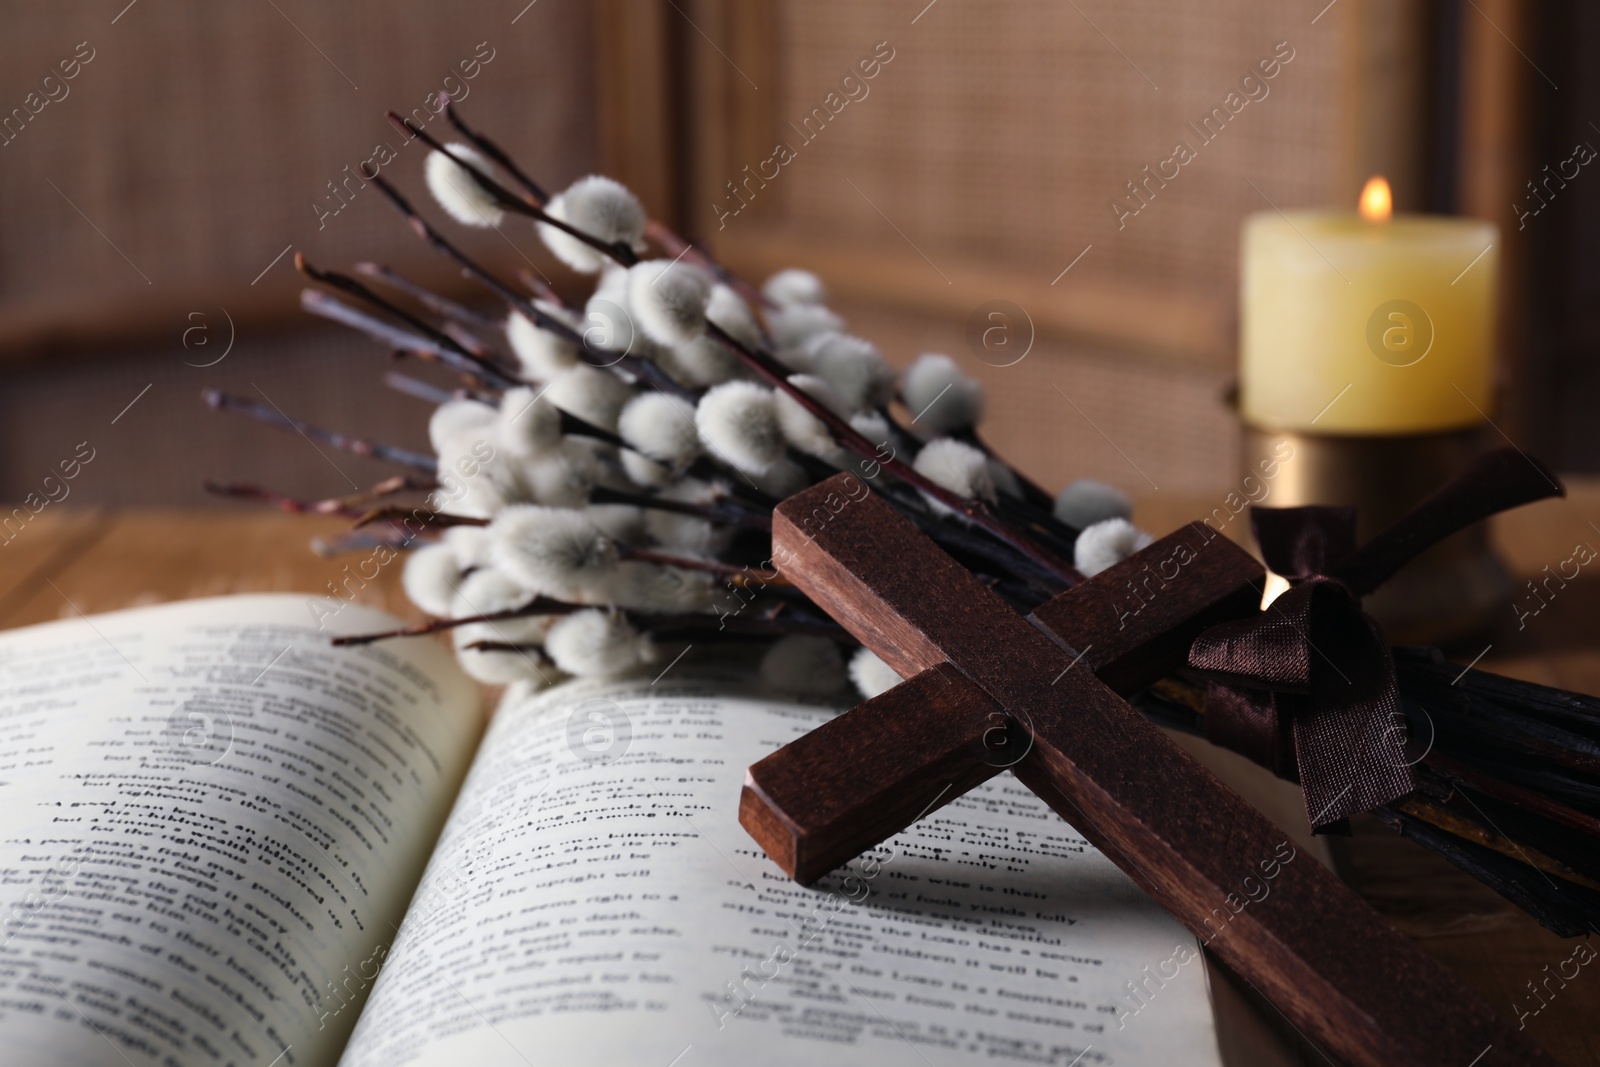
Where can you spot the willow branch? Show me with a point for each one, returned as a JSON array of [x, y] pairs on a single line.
[[320, 304], [494, 152], [541, 289], [657, 232], [777, 626], [1526, 799], [353, 506], [642, 369], [736, 573], [678, 248], [439, 305], [1032, 491], [481, 367], [977, 511], [392, 512], [537, 606], [778, 375], [472, 343], [362, 541], [292, 505], [723, 514], [509, 201], [755, 624], [416, 387], [239, 405]]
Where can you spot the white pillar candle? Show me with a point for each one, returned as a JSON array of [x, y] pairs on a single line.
[[1365, 323]]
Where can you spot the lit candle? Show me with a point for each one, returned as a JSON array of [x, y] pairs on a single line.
[[1366, 324]]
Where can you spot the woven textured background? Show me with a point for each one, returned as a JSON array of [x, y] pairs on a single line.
[[1000, 132], [194, 144], [200, 135], [192, 148]]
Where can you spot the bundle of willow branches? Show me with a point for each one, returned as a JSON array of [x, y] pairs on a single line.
[[603, 477], [1509, 780]]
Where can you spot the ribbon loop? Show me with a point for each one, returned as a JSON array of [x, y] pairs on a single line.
[[1248, 722], [1308, 686], [1315, 671]]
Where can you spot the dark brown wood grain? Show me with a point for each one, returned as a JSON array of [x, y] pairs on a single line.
[[1352, 984], [866, 775], [1134, 622]]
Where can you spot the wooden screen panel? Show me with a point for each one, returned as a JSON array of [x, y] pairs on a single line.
[[1560, 235], [986, 155], [1501, 89], [199, 137], [636, 97], [981, 163]]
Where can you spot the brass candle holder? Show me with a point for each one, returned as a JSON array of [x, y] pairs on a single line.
[[1451, 591]]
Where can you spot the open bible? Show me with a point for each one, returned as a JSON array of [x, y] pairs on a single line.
[[227, 842]]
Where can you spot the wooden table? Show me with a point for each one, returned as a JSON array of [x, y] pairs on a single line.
[[66, 561]]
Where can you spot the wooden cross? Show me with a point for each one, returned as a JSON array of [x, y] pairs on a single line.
[[988, 690]]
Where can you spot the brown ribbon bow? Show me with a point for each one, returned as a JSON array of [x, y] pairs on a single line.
[[1307, 687]]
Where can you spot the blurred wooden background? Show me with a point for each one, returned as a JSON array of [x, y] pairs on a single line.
[[147, 206], [162, 195]]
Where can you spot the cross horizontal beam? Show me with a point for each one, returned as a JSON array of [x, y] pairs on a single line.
[[1335, 968]]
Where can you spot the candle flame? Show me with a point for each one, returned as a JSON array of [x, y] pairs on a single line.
[[1377, 203]]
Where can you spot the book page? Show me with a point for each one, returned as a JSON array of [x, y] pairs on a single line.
[[594, 900], [212, 823]]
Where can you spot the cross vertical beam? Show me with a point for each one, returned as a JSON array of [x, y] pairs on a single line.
[[1334, 967]]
